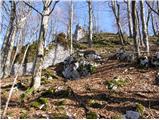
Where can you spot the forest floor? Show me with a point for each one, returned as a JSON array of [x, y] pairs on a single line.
[[139, 88], [76, 97]]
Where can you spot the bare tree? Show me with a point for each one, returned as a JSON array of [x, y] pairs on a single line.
[[116, 11], [8, 42], [144, 28], [135, 25], [36, 79], [90, 12]]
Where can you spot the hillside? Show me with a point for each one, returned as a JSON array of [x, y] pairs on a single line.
[[91, 96]]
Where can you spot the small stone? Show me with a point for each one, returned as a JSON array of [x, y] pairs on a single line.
[[132, 114]]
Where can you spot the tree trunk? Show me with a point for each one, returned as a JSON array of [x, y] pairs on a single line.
[[36, 79], [134, 20], [90, 23], [8, 40], [7, 67], [116, 12], [144, 28], [141, 42], [153, 28], [70, 30], [129, 18]]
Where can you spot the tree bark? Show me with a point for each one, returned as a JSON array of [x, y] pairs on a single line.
[[134, 20], [144, 28], [129, 18], [141, 42], [90, 11]]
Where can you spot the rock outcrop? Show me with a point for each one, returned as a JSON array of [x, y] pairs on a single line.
[[54, 56]]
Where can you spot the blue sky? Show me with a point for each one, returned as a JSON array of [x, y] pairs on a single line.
[[103, 14]]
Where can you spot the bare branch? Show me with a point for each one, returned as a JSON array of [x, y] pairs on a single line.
[[53, 7], [32, 8], [152, 8]]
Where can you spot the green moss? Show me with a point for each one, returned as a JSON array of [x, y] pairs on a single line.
[[118, 82], [40, 102], [28, 92], [140, 108], [48, 92], [91, 115], [35, 104], [43, 100]]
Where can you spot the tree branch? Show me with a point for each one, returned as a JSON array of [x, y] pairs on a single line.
[[53, 7], [152, 8], [32, 8]]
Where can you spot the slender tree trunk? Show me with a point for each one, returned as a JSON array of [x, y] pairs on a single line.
[[148, 18], [134, 20], [90, 22], [70, 31], [36, 82], [18, 49], [8, 40], [129, 18], [153, 28], [141, 42], [144, 28], [116, 12], [8, 60]]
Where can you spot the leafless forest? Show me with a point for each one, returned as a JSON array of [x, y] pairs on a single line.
[[79, 59]]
